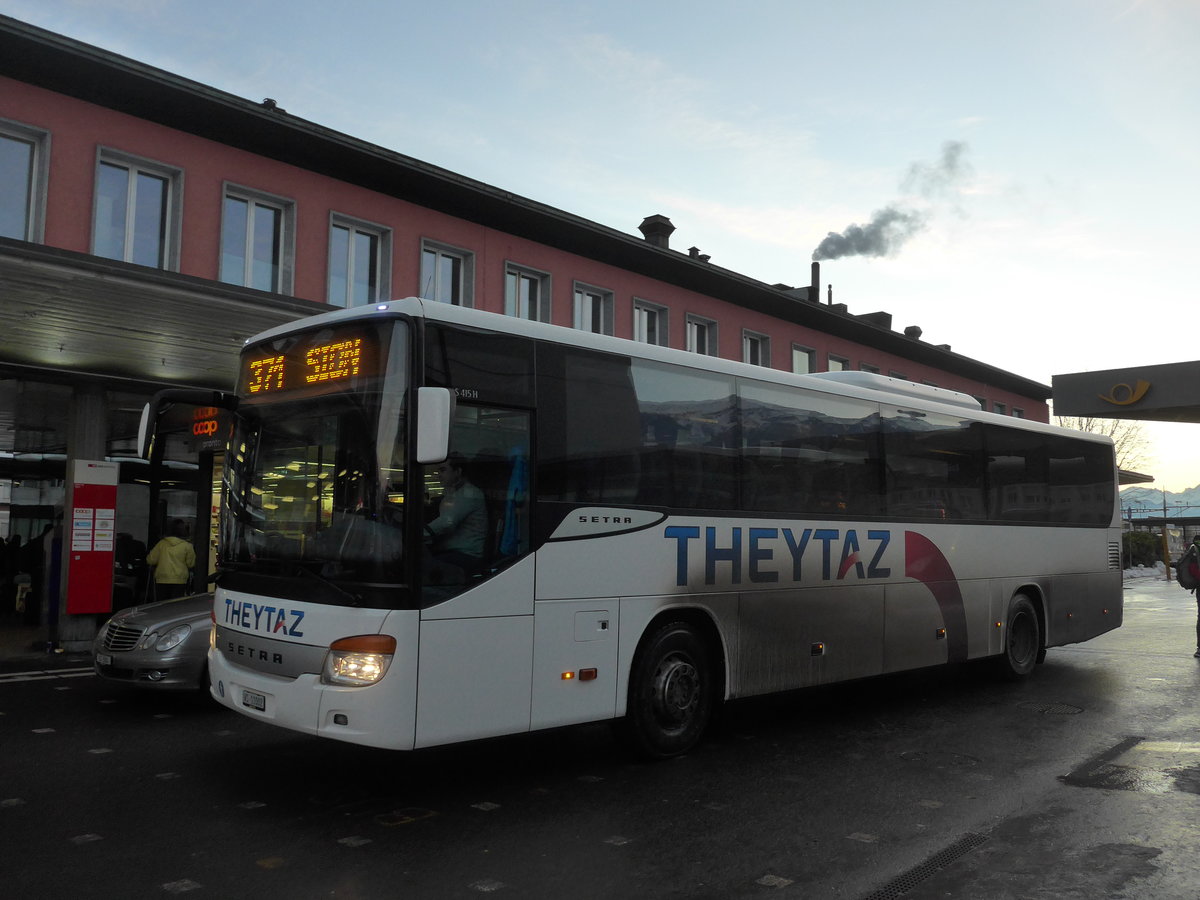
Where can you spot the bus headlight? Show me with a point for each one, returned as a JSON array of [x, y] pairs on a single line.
[[358, 661]]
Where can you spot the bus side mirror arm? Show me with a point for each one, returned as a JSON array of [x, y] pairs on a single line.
[[435, 412], [164, 400]]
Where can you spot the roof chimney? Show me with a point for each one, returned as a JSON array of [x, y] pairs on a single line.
[[913, 331], [814, 289], [657, 230]]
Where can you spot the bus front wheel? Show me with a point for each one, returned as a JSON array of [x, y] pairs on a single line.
[[671, 692], [1022, 639]]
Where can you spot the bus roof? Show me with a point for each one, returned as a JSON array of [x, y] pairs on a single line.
[[863, 385]]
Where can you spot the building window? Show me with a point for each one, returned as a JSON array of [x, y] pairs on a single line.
[[526, 293], [256, 240], [447, 274], [863, 367], [701, 335], [999, 408], [649, 323], [23, 159], [593, 309], [137, 211], [803, 360], [756, 348], [359, 262], [1018, 413], [838, 364], [894, 374]]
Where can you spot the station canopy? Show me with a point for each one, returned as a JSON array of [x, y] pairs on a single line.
[[1163, 393]]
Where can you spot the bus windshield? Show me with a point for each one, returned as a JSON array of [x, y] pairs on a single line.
[[314, 482]]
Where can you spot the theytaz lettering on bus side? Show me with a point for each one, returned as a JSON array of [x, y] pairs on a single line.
[[756, 549], [269, 619]]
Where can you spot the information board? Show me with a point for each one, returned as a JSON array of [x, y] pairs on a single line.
[[91, 538]]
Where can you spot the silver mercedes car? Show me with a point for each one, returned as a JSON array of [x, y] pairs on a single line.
[[161, 645]]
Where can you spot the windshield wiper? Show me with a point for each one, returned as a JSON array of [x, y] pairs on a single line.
[[355, 599]]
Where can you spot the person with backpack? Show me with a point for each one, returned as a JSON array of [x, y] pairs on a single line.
[[1188, 572]]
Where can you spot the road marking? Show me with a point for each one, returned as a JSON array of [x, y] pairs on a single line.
[[45, 675]]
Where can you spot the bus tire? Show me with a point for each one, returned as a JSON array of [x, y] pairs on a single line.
[[1022, 639], [671, 692]]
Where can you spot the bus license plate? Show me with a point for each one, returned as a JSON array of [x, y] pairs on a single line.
[[254, 701]]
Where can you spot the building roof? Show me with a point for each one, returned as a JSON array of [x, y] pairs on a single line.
[[57, 63]]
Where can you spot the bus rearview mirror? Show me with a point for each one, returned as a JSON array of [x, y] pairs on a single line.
[[435, 412]]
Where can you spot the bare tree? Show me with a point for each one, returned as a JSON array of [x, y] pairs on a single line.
[[1132, 445]]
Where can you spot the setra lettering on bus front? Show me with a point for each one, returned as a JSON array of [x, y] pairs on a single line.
[[762, 555], [263, 618]]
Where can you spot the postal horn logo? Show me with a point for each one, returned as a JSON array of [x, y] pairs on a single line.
[[1124, 395]]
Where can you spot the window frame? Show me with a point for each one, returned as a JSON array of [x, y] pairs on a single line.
[[584, 315], [39, 173], [843, 364], [466, 274], [807, 352], [756, 340], [285, 281], [171, 227], [382, 261], [692, 325], [512, 304], [663, 322]]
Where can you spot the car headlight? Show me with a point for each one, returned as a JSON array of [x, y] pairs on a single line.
[[167, 641], [358, 661]]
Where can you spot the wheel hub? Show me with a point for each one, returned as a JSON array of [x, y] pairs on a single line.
[[676, 690]]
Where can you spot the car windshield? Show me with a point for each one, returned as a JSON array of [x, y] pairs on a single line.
[[314, 486]]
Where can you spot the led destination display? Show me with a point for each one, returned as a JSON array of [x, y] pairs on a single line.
[[316, 362]]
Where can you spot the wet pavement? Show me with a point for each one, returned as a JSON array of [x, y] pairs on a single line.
[[1122, 823], [1081, 782]]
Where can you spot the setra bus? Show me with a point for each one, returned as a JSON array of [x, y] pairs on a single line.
[[649, 532]]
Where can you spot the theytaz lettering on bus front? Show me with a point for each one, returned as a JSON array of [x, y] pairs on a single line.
[[761, 555], [263, 618]]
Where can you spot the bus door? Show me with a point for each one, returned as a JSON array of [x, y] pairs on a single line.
[[476, 647]]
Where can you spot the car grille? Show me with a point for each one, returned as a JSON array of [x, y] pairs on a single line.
[[122, 637]]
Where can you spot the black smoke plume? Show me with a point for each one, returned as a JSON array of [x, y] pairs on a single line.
[[887, 230], [891, 227]]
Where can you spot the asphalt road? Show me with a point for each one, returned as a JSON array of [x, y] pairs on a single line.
[[1082, 781]]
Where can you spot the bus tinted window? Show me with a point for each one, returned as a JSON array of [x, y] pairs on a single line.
[[934, 465], [479, 366], [688, 436], [1018, 476], [591, 437], [808, 452], [1081, 486]]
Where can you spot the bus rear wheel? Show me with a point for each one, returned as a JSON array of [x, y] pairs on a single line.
[[1022, 639], [671, 692]]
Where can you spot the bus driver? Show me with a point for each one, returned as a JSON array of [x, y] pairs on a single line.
[[460, 529]]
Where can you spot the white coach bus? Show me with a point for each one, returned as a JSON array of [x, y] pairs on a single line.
[[649, 532]]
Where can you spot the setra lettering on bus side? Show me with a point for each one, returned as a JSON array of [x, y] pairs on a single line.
[[763, 555]]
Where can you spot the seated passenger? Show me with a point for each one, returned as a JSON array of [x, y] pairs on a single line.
[[459, 532]]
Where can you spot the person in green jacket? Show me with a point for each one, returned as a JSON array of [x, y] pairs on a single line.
[[173, 559]]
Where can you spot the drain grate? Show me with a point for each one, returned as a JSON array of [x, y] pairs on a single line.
[[1051, 709], [902, 884]]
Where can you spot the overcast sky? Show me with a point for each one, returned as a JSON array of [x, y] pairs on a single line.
[[1020, 178]]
